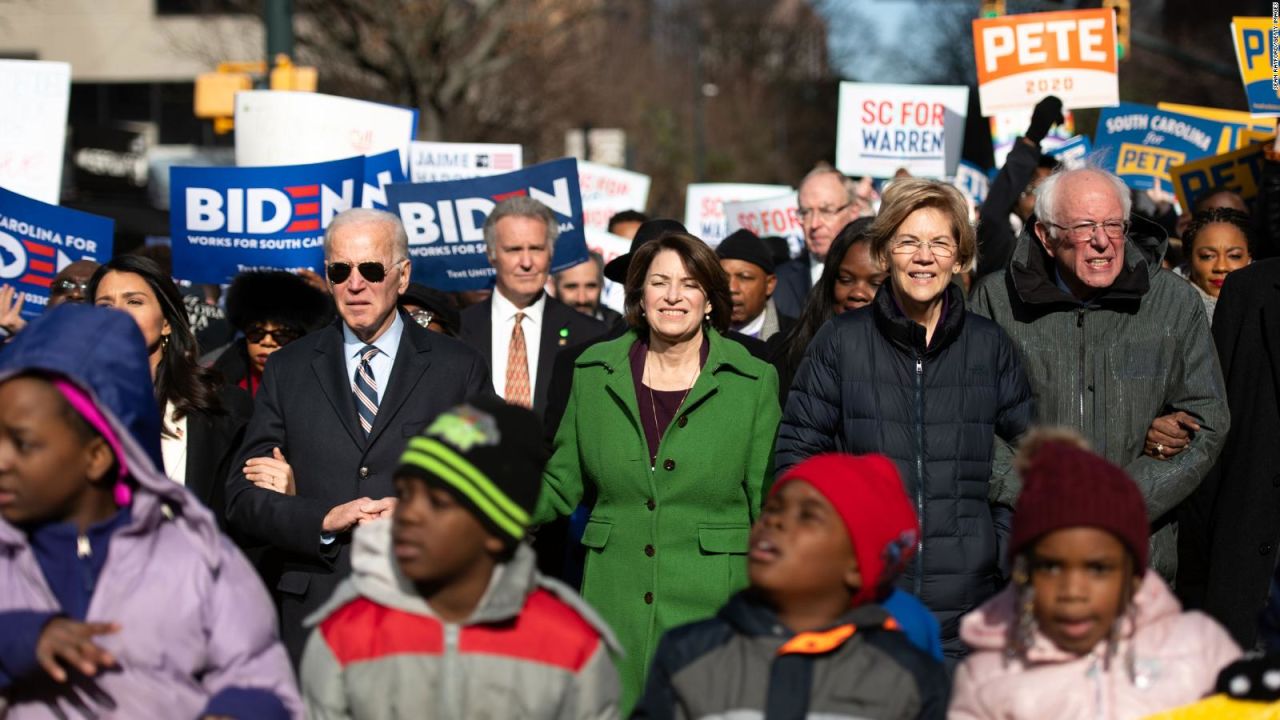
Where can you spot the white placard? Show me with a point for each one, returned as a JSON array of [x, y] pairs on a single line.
[[277, 127], [33, 127], [607, 191], [885, 128], [704, 206], [609, 246], [770, 216], [442, 161]]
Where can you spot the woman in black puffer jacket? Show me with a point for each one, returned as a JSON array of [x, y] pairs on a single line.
[[918, 378]]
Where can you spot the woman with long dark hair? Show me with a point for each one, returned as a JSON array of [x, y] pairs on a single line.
[[202, 419]]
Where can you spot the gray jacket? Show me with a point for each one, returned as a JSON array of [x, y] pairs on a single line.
[[1138, 350]]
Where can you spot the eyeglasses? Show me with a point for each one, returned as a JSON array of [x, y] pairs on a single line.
[[940, 247], [282, 335], [1085, 231], [374, 272], [66, 287], [824, 213]]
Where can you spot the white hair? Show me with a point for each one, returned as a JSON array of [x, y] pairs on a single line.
[[520, 206], [1048, 190], [363, 216]]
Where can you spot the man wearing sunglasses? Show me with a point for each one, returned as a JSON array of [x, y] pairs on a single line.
[[519, 329], [1112, 342], [332, 414]]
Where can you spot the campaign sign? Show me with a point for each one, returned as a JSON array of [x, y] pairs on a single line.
[[778, 215], [972, 182], [33, 127], [38, 240], [224, 221], [1242, 128], [1070, 54], [885, 128], [445, 221], [1007, 127], [1239, 170], [607, 191], [1073, 153], [704, 206], [1256, 55], [278, 127], [1143, 142], [380, 171], [438, 161]]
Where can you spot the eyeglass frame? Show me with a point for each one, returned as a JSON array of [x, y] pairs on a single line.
[[826, 213], [356, 267], [83, 287], [280, 328], [1093, 229], [898, 245]]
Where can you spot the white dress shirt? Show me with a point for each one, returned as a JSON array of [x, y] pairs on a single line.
[[502, 320], [173, 445], [755, 327], [387, 343], [815, 269]]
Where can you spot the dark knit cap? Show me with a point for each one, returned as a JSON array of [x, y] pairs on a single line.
[[1064, 486], [652, 230], [489, 455], [276, 296], [746, 245]]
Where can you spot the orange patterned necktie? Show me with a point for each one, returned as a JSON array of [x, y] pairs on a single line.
[[518, 368]]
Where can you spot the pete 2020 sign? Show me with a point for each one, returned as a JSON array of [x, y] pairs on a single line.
[[1255, 53], [884, 128], [445, 221], [1143, 142], [1069, 54], [38, 240], [228, 220]]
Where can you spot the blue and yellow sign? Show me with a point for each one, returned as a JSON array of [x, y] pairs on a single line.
[[1256, 40], [1239, 171]]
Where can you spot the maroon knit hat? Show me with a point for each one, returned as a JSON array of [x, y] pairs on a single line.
[[866, 491], [1064, 486]]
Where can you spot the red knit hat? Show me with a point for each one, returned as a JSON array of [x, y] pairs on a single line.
[[1064, 486], [866, 491]]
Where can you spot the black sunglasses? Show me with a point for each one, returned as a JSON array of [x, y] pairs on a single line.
[[66, 287], [282, 335], [373, 272]]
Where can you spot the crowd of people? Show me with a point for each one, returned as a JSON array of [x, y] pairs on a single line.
[[1020, 467]]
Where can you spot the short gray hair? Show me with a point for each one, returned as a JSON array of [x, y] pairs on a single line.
[[1048, 190], [520, 206], [849, 184], [369, 216]]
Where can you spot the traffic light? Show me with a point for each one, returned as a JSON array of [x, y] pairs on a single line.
[[1122, 26], [992, 8]]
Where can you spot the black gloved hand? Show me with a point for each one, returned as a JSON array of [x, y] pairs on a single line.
[[1048, 113]]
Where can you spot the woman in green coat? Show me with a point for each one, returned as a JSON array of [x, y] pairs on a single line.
[[671, 428]]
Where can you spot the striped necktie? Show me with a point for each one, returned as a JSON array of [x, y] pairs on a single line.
[[365, 389]]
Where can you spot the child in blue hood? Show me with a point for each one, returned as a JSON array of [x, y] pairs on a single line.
[[118, 596]]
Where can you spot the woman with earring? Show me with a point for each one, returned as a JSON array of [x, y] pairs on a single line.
[[203, 420], [917, 377], [669, 433]]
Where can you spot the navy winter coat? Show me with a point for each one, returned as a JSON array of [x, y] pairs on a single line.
[[868, 383]]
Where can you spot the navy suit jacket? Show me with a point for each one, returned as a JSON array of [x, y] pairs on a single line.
[[793, 286]]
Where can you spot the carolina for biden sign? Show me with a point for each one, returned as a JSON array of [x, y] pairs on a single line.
[[884, 128]]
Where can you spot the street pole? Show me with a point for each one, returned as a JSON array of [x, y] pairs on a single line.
[[278, 18]]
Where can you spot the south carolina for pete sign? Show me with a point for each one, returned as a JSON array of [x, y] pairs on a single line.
[[1070, 54], [884, 128], [1143, 143]]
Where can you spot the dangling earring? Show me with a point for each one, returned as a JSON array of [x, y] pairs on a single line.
[[164, 342]]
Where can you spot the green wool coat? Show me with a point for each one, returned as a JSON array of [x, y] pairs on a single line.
[[667, 545]]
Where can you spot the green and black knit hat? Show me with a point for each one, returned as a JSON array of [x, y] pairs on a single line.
[[489, 455]]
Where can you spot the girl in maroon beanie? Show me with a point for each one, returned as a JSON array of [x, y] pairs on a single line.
[[1085, 630]]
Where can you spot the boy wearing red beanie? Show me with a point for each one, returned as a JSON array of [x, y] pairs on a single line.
[[806, 638]]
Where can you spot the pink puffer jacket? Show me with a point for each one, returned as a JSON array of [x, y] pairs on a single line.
[[1177, 657]]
